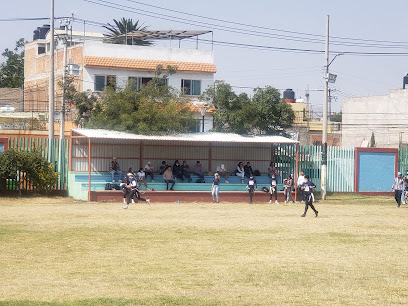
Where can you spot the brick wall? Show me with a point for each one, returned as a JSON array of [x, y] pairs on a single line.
[[12, 97]]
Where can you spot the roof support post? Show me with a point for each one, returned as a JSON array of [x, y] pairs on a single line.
[[141, 155], [89, 169]]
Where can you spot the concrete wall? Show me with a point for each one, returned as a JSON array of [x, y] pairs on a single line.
[[385, 116], [148, 53]]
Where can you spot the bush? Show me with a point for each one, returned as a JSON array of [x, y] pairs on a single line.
[[28, 166]]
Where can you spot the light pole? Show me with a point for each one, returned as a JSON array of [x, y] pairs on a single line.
[[203, 109], [51, 88], [327, 79]]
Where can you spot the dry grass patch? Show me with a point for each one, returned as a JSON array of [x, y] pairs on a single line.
[[61, 251]]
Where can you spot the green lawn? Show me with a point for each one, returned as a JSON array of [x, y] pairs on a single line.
[[61, 251]]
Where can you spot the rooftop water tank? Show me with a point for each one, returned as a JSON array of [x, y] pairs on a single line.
[[289, 95], [36, 34], [44, 30], [405, 82]]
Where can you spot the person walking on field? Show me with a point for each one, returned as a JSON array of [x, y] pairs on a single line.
[[307, 188], [215, 188], [397, 187]]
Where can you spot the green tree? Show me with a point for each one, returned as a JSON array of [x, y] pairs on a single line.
[[29, 166], [336, 117], [265, 113], [154, 109], [12, 70], [118, 32], [372, 140]]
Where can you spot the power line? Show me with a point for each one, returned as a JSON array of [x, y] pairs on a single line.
[[233, 29], [29, 19], [261, 27]]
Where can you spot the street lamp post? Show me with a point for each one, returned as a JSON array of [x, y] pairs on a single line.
[[203, 109], [327, 79]]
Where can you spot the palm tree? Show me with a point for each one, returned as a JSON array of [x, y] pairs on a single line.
[[118, 32]]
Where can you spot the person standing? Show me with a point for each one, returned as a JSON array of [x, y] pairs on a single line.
[[288, 189], [307, 188], [273, 189], [114, 169], [252, 187], [397, 187], [168, 178], [215, 188], [300, 181]]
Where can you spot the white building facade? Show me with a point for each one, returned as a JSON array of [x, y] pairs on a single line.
[[384, 116]]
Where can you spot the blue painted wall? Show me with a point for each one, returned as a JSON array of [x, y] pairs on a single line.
[[1, 148], [376, 171]]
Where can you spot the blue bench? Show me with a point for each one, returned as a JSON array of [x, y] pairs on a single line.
[[107, 178]]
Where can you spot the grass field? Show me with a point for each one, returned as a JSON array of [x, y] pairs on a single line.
[[60, 251]]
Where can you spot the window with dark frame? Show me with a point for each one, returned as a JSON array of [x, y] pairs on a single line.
[[191, 87]]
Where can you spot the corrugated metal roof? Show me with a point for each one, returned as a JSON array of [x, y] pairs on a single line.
[[198, 137]]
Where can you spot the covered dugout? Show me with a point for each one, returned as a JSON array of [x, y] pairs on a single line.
[[96, 148]]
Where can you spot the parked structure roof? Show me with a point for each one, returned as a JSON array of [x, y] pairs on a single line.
[[197, 137], [164, 34]]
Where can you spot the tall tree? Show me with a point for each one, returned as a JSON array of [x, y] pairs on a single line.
[[118, 32], [265, 113], [152, 109], [12, 70]]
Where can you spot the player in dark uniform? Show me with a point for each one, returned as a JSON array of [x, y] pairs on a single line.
[[307, 187], [134, 191], [273, 189], [252, 187]]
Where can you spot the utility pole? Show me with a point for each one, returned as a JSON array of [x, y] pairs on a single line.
[[61, 157], [330, 103], [308, 114], [326, 96], [51, 88]]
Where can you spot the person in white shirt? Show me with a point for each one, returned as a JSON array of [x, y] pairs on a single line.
[[240, 171], [148, 169], [300, 181], [222, 172], [141, 178]]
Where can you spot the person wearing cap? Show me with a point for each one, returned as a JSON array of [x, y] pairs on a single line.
[[397, 187], [133, 190], [288, 189], [148, 169], [252, 187], [308, 187], [115, 169], [215, 188]]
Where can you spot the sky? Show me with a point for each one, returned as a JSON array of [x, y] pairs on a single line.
[[374, 26]]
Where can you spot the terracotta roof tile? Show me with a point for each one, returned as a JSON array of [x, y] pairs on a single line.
[[111, 62]]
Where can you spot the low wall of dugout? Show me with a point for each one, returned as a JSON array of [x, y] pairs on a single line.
[[349, 169]]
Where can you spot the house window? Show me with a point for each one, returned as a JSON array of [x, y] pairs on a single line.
[[191, 87], [102, 81], [99, 83], [138, 83]]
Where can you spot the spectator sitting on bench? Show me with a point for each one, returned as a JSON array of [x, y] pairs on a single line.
[[222, 172], [168, 178], [185, 169], [148, 169], [198, 170], [115, 169], [177, 171], [141, 178], [163, 167], [248, 170], [240, 171]]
